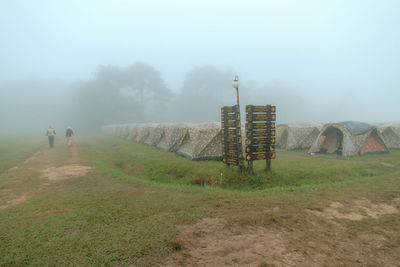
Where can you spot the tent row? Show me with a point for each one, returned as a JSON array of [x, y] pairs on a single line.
[[203, 140], [195, 141], [349, 138]]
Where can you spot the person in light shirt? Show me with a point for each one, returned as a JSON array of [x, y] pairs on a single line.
[[51, 134]]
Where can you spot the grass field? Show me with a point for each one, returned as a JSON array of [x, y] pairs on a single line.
[[143, 206], [15, 148], [291, 169]]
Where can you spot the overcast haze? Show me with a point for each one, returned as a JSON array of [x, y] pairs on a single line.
[[337, 60]]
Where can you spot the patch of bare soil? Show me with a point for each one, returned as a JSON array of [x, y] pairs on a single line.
[[357, 211], [14, 201], [12, 168], [40, 160], [389, 165], [74, 155], [211, 242], [65, 172]]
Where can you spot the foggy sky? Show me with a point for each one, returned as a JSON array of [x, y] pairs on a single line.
[[340, 57]]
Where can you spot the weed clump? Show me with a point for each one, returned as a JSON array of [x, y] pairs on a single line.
[[119, 164], [176, 245]]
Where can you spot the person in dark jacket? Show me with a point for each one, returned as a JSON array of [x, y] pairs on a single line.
[[69, 134], [50, 134]]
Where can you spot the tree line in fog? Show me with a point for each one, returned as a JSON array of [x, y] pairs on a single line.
[[136, 93]]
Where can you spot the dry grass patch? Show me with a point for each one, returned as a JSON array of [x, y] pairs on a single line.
[[14, 201], [389, 165], [360, 209], [65, 172], [214, 242]]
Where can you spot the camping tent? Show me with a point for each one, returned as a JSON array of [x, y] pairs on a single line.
[[119, 130], [296, 135], [143, 131], [172, 137], [195, 141], [114, 130], [155, 134], [125, 131], [202, 141], [348, 138], [132, 132], [391, 135], [107, 129]]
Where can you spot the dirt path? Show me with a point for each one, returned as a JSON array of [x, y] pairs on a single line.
[[74, 158], [45, 167]]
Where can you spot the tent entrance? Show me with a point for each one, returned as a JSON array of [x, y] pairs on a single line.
[[332, 142]]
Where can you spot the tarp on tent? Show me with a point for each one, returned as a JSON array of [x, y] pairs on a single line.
[[391, 134], [348, 139], [107, 129], [155, 134], [202, 141], [117, 130], [125, 131], [143, 131], [194, 141], [132, 132], [296, 135], [172, 137], [122, 131]]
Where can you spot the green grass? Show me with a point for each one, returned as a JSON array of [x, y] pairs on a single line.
[[14, 149], [290, 169], [127, 210], [111, 224]]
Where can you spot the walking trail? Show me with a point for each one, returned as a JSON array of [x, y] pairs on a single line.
[[46, 166]]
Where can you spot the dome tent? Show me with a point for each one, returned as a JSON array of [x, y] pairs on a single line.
[[172, 137], [132, 132], [296, 135], [202, 141], [156, 132], [348, 138], [391, 135], [143, 131]]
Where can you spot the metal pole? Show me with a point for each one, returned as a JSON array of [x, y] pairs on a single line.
[[241, 169], [237, 95]]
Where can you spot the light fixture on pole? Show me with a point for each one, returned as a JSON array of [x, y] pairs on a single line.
[[236, 86]]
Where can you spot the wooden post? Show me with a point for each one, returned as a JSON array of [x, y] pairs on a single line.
[[268, 162]]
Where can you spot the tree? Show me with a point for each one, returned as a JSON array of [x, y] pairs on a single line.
[[205, 90], [118, 95], [146, 85]]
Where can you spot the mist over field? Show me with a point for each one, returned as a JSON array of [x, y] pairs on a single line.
[[88, 63]]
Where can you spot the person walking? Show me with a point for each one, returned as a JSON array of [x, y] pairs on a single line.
[[69, 134], [50, 134]]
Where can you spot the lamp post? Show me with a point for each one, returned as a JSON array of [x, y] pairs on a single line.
[[236, 86], [238, 136]]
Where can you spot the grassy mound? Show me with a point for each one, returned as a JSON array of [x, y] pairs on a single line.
[[290, 169]]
